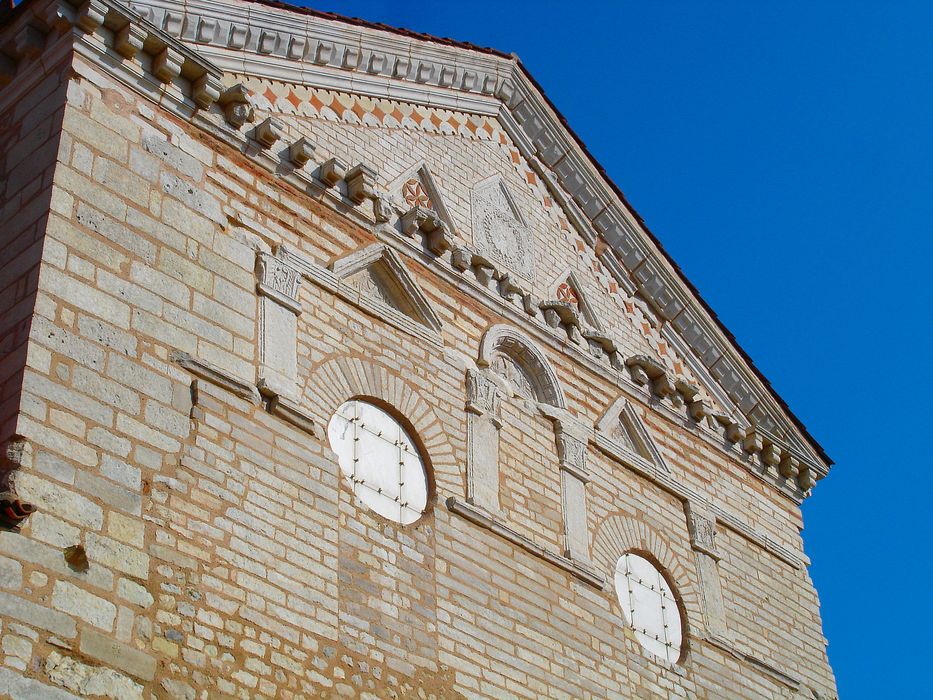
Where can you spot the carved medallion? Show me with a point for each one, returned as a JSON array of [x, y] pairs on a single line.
[[499, 230]]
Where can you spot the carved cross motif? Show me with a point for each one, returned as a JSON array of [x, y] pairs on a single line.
[[278, 280], [482, 395]]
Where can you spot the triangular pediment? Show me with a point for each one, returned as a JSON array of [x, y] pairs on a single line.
[[381, 279], [624, 433], [568, 289], [347, 71], [500, 230], [416, 187]]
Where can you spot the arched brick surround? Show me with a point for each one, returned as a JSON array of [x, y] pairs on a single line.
[[518, 346], [340, 378], [618, 534]]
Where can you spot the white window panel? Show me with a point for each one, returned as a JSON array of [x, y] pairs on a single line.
[[414, 482], [649, 606], [378, 422], [377, 464], [380, 460]]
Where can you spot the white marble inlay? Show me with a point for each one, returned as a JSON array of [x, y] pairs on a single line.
[[380, 460], [649, 606]]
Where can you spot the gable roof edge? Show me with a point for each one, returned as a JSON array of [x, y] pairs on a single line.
[[449, 73]]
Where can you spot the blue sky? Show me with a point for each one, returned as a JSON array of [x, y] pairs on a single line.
[[783, 153]]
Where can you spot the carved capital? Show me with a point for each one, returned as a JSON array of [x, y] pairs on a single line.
[[702, 527], [483, 396], [571, 451], [279, 281]]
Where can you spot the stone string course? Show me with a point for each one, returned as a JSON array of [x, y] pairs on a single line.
[[149, 415]]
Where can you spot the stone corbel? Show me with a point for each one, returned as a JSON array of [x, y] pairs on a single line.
[[560, 313], [130, 40], [90, 15], [278, 287], [753, 443], [361, 180], [734, 432], [420, 220], [238, 110], [332, 171], [166, 65], [530, 304], [205, 90], [645, 370], [771, 454], [268, 131], [7, 70], [805, 478], [509, 288], [28, 42], [483, 269], [461, 258], [789, 466], [300, 152], [383, 208]]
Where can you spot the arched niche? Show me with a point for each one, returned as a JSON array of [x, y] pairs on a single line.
[[513, 355], [508, 357]]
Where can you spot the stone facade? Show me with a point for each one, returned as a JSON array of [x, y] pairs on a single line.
[[221, 221]]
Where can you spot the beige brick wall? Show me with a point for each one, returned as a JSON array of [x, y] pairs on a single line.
[[227, 555]]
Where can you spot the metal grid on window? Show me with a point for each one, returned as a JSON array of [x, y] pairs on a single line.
[[380, 460], [649, 606]]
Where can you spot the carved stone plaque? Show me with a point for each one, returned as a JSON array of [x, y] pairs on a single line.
[[499, 230]]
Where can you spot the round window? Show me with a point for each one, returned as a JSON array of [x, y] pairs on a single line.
[[380, 460], [649, 606]]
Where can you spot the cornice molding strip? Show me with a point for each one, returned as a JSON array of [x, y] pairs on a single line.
[[667, 482], [217, 376], [325, 278], [777, 674], [497, 527]]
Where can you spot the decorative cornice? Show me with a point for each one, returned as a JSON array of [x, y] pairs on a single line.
[[276, 44], [188, 83], [217, 376]]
